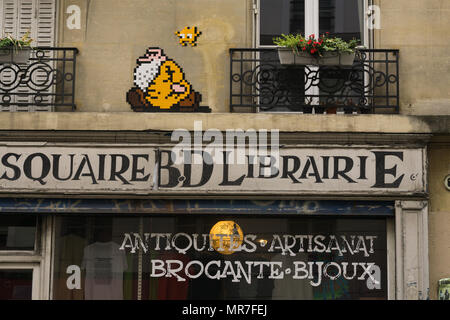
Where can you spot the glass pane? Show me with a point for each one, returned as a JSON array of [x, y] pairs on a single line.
[[16, 284], [280, 17], [87, 252], [17, 232], [211, 257], [342, 18]]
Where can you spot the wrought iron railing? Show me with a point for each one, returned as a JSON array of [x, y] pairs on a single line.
[[258, 82], [43, 83]]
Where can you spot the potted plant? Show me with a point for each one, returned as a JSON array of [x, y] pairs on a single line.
[[15, 50], [323, 51]]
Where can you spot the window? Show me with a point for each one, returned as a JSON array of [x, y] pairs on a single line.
[[18, 17], [16, 284], [341, 18], [282, 88], [22, 242], [195, 257], [18, 232]]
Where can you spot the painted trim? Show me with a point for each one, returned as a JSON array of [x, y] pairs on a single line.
[[412, 270], [222, 206], [390, 242]]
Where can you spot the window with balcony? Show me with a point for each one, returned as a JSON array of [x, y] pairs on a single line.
[[259, 83], [44, 81]]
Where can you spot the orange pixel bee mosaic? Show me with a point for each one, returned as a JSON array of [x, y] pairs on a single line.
[[188, 35]]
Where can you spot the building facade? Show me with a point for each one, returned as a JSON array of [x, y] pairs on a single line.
[[158, 150]]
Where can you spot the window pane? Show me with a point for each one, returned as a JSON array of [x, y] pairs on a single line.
[[16, 284], [17, 232], [87, 249], [342, 18], [193, 257], [280, 17]]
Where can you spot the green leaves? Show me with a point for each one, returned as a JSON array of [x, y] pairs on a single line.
[[289, 41], [10, 42], [314, 46]]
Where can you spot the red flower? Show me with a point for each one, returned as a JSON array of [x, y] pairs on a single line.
[[312, 51], [310, 41], [304, 48]]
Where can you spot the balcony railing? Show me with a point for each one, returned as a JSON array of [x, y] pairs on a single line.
[[259, 83], [45, 83]]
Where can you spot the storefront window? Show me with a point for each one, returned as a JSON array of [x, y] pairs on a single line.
[[220, 257], [18, 232], [16, 284]]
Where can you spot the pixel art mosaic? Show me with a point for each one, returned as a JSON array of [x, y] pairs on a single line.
[[160, 85], [188, 35]]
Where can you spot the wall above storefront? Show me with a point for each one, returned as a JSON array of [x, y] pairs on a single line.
[[222, 121]]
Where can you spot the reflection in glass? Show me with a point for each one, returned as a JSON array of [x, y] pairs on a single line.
[[176, 257], [342, 18], [17, 232], [16, 284], [280, 17]]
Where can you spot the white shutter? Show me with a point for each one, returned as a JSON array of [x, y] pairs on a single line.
[[45, 23], [9, 18], [25, 19], [44, 35], [38, 17], [9, 26]]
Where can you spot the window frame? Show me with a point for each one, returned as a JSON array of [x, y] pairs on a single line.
[[311, 22], [35, 267], [389, 228], [312, 12], [39, 259]]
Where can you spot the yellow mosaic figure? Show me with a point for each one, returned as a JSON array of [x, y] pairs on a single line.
[[160, 84], [169, 87], [188, 36]]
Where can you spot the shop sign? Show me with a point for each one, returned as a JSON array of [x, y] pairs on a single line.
[[77, 169], [355, 255], [151, 170], [308, 170]]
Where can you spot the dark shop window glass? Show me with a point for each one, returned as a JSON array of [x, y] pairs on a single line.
[[16, 284], [280, 17], [17, 232], [212, 257]]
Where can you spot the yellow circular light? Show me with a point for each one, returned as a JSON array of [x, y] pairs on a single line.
[[231, 234]]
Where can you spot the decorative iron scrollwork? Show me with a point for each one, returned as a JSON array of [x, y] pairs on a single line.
[[48, 79], [259, 80]]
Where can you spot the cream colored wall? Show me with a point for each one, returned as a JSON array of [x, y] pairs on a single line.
[[420, 29], [115, 33], [439, 215]]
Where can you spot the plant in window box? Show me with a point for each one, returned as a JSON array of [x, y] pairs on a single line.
[[15, 50], [323, 51]]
